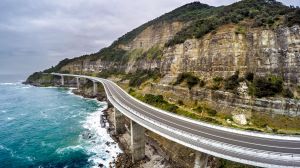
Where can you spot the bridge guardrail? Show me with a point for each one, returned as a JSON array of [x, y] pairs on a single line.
[[180, 137], [191, 138]]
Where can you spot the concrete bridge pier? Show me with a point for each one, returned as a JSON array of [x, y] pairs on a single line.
[[200, 160], [119, 122], [95, 88], [62, 80], [77, 82], [137, 141]]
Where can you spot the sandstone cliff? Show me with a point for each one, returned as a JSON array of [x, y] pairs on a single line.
[[251, 36]]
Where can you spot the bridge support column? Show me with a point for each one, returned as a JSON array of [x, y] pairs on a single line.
[[200, 160], [62, 80], [95, 88], [119, 122], [137, 141], [78, 83]]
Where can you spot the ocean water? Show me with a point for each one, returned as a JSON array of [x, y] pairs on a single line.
[[50, 127]]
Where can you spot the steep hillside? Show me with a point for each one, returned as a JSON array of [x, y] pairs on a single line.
[[267, 23], [236, 66], [250, 49]]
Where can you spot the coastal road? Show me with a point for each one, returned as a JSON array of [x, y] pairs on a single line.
[[253, 148]]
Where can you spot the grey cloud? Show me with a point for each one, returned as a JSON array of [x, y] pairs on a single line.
[[35, 34]]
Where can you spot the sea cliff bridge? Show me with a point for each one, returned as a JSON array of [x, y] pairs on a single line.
[[252, 148]]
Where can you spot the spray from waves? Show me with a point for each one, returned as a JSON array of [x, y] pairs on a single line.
[[7, 83], [69, 149], [10, 118], [94, 141], [26, 87], [98, 144], [14, 155]]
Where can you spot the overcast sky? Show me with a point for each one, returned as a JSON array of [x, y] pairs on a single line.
[[35, 34]]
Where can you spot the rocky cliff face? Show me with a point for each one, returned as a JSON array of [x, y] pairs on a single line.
[[262, 51], [224, 52], [154, 35], [257, 36], [220, 53]]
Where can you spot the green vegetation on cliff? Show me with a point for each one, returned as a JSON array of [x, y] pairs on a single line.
[[265, 13], [198, 19], [141, 76], [267, 86], [189, 78], [185, 13], [58, 66], [159, 102]]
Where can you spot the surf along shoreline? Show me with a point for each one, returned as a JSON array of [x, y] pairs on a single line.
[[155, 156], [159, 152]]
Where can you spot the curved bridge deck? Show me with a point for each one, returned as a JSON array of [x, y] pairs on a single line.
[[246, 147]]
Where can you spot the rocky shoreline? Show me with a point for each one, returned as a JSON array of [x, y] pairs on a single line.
[[154, 155]]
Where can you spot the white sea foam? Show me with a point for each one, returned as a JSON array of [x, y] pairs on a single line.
[[30, 159], [12, 153], [70, 90], [10, 118], [9, 83], [2, 147], [49, 145], [26, 87], [96, 145], [43, 114], [49, 87], [69, 149]]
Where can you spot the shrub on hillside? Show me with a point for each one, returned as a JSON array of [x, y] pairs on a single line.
[[264, 13], [141, 76], [190, 79], [267, 86], [211, 112], [180, 102], [158, 101], [287, 93], [217, 81], [153, 99], [201, 83], [232, 82], [249, 76]]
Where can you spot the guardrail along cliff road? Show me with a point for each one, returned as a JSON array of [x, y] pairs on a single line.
[[258, 149]]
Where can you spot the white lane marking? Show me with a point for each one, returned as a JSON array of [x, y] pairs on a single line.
[[101, 81], [247, 134], [197, 147], [118, 93], [198, 130]]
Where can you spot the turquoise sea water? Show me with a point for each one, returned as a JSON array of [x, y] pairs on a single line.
[[48, 127]]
